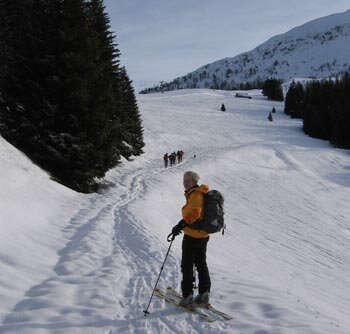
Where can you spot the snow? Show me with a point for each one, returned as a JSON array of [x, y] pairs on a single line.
[[78, 263], [32, 208], [317, 49]]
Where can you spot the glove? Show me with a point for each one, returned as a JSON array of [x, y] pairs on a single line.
[[178, 228]]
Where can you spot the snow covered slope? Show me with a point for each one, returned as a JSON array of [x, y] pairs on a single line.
[[33, 210], [282, 267], [317, 49]]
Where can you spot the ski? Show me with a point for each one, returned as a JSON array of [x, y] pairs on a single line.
[[173, 299], [208, 307]]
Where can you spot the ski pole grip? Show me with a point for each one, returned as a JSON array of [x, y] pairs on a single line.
[[170, 237]]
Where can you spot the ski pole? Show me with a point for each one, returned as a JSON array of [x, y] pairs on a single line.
[[170, 239]]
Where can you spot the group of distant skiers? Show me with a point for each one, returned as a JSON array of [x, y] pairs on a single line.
[[172, 157]]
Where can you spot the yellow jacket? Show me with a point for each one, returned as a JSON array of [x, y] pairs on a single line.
[[194, 209]]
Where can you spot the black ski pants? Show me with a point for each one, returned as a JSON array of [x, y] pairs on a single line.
[[194, 252]]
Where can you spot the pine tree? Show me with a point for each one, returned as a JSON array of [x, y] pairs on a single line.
[[109, 97], [28, 84], [294, 100], [273, 90], [341, 120], [131, 131], [223, 108], [63, 98], [270, 118], [326, 110], [290, 99], [5, 38]]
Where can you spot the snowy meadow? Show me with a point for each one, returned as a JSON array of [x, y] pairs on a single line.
[[75, 263]]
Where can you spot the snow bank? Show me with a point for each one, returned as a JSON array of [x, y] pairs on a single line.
[[33, 211]]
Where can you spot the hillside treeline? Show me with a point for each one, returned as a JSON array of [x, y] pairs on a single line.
[[64, 98], [324, 107]]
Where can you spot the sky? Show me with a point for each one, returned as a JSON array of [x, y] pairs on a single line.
[[163, 39]]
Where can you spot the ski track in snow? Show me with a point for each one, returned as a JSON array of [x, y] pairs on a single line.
[[120, 279], [106, 271]]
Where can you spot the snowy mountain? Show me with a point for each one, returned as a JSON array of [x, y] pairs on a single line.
[[87, 263], [319, 48]]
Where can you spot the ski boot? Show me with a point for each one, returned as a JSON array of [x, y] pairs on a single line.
[[186, 301], [202, 298]]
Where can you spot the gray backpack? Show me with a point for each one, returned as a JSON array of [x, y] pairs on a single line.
[[213, 218]]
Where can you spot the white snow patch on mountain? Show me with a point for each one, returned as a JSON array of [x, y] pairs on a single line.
[[316, 49]]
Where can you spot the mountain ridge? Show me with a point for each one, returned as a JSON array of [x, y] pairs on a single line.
[[316, 49]]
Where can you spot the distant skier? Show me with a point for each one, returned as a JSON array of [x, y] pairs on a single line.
[[173, 158], [166, 160], [194, 244], [178, 155], [170, 160], [181, 155]]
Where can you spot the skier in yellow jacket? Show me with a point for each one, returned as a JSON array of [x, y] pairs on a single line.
[[194, 244]]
